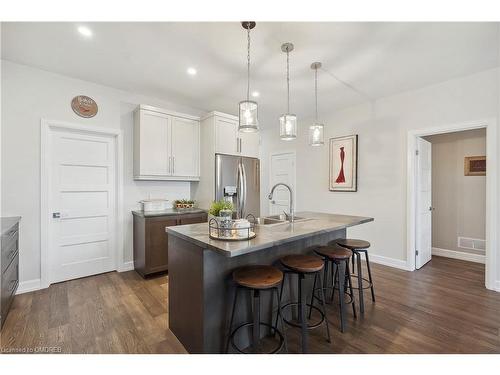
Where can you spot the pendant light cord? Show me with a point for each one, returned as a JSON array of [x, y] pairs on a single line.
[[316, 91], [288, 80], [248, 61]]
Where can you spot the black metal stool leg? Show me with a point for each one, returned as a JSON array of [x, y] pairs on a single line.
[[370, 275], [256, 321], [280, 296], [349, 283], [302, 312], [323, 303], [360, 284], [334, 277], [341, 278], [232, 317], [312, 295], [280, 314]]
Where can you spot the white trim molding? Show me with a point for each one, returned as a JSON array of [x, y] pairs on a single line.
[[45, 147], [492, 209], [29, 286], [391, 262], [497, 286], [126, 266], [477, 258]]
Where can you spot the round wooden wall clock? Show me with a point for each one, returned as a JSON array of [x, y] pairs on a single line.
[[84, 106]]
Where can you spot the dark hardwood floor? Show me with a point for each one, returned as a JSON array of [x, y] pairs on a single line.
[[442, 308]]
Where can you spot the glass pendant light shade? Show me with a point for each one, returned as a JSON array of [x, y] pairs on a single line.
[[248, 116], [288, 127], [247, 109], [316, 135]]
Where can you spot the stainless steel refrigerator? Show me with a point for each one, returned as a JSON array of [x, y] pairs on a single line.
[[237, 179]]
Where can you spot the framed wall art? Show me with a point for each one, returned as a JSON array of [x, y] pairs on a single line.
[[344, 163], [84, 106], [475, 166]]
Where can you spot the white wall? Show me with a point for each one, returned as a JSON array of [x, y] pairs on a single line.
[[382, 127], [30, 94]]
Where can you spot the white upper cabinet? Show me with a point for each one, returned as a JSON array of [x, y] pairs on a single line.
[[228, 140], [226, 136], [166, 145], [185, 147]]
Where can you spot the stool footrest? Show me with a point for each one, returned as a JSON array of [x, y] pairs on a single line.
[[309, 326], [366, 283], [250, 324]]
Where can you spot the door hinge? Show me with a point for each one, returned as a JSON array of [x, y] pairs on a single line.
[[416, 252], [416, 152]]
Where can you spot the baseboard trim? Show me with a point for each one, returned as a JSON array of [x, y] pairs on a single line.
[[458, 255], [496, 286], [29, 286], [391, 262], [126, 266]]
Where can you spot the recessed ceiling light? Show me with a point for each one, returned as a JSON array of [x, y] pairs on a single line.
[[191, 71], [85, 31], [255, 94]]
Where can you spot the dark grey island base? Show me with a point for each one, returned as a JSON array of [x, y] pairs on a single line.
[[200, 288]]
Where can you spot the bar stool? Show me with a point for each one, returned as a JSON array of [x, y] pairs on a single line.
[[358, 247], [257, 278], [304, 265], [337, 258]]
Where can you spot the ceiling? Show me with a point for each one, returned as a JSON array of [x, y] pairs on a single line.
[[378, 59]]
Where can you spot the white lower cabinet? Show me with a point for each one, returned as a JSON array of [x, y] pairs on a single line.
[[166, 145]]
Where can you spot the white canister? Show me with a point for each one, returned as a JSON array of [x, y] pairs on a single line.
[[242, 223]]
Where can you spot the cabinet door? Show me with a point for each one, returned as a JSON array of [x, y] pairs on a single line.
[[154, 134], [185, 147], [226, 136], [249, 144], [157, 244]]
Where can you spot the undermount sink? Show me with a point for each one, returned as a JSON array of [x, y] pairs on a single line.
[[277, 219]]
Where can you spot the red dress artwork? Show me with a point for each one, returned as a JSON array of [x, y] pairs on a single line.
[[341, 178]]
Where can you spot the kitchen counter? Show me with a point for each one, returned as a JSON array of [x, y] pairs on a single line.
[[168, 212], [201, 291], [269, 235]]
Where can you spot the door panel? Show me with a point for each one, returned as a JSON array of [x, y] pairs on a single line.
[[424, 203], [82, 190], [185, 147], [226, 136], [282, 170], [252, 201], [154, 144], [249, 144]]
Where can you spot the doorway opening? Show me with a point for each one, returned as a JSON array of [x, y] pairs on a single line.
[[451, 199]]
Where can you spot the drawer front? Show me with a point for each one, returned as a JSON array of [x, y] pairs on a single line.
[[10, 247], [193, 219], [10, 282]]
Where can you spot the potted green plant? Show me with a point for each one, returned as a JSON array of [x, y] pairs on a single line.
[[218, 206], [183, 203]]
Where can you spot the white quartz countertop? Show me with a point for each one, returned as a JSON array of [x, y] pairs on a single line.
[[268, 235]]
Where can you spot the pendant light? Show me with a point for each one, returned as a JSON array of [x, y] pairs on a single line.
[[247, 109], [288, 121], [316, 129]]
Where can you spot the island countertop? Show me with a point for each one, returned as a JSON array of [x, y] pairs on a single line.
[[268, 235]]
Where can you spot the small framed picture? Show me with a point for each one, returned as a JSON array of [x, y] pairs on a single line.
[[344, 163], [475, 166]]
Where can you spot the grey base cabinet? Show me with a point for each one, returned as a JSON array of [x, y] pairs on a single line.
[[151, 239], [9, 264]]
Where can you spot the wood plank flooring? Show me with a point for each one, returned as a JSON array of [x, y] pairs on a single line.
[[442, 308]]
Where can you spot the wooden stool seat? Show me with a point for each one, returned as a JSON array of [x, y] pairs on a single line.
[[257, 277], [303, 263], [334, 252], [353, 244]]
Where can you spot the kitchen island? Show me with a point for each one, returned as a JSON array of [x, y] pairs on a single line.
[[200, 288]]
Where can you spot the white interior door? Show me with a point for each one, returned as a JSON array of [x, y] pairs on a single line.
[[424, 203], [82, 192], [282, 170]]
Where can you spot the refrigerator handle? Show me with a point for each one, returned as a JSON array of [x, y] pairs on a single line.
[[244, 189]]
